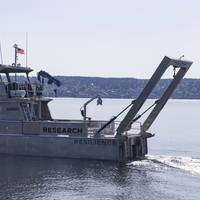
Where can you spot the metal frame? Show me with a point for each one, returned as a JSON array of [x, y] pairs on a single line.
[[183, 66]]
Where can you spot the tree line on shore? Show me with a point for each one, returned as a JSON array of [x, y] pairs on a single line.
[[86, 87]]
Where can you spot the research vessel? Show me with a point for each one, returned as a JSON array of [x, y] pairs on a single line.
[[28, 129]]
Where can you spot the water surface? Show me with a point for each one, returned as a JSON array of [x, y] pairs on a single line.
[[171, 170]]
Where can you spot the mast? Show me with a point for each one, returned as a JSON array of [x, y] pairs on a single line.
[[1, 54], [26, 49], [1, 59]]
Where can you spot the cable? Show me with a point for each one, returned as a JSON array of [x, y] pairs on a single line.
[[138, 117], [115, 117]]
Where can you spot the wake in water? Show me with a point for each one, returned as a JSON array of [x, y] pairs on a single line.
[[160, 161]]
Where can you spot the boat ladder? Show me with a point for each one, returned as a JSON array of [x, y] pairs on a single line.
[[26, 112]]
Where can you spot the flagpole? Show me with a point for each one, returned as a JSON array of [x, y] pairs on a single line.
[[26, 49], [1, 59], [15, 64], [15, 46], [1, 54]]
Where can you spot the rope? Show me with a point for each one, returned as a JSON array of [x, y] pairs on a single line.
[[115, 117], [138, 117], [174, 70]]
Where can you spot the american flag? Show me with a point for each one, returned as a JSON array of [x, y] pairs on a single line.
[[20, 51]]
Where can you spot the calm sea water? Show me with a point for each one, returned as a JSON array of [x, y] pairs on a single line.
[[171, 170]]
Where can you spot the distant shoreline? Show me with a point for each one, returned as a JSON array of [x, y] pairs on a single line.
[[59, 97], [120, 88]]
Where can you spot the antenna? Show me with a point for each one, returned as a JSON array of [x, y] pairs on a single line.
[[26, 49], [1, 54], [181, 57], [1, 59]]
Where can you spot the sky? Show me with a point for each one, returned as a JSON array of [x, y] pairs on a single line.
[[103, 38]]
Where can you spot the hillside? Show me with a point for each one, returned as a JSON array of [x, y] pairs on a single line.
[[120, 87]]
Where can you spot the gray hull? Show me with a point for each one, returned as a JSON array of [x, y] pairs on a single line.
[[65, 147]]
